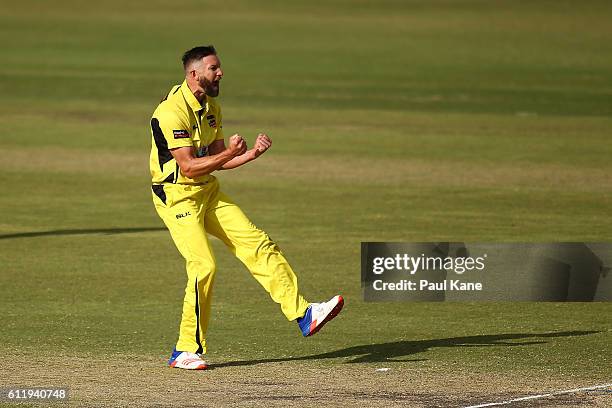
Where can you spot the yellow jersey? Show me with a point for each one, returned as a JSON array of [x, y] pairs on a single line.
[[181, 121]]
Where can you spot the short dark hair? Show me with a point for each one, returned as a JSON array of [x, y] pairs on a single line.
[[197, 53]]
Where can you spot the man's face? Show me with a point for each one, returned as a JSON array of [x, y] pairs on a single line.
[[208, 75]]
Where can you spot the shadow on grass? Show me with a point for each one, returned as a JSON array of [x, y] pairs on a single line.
[[390, 352], [105, 231]]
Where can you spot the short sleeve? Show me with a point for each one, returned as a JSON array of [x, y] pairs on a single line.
[[172, 129]]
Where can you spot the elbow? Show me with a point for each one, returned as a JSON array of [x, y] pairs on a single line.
[[191, 172], [187, 171]]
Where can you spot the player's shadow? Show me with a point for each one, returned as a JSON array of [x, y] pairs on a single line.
[[399, 350], [104, 231]]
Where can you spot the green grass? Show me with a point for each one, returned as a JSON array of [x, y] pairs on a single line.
[[392, 121]]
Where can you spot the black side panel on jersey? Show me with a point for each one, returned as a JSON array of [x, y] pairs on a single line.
[[159, 191], [163, 154]]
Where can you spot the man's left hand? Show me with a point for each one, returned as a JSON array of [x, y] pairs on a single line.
[[262, 144]]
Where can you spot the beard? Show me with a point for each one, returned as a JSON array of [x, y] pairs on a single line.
[[211, 88]]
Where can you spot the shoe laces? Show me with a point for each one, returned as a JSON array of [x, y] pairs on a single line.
[[193, 355], [318, 308]]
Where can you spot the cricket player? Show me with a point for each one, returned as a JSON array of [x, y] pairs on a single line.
[[187, 148]]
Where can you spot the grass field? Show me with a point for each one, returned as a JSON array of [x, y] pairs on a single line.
[[392, 121]]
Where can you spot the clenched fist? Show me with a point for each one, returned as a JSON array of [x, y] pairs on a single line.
[[262, 144], [237, 145]]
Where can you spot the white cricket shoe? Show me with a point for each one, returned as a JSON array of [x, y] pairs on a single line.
[[318, 314], [187, 361]]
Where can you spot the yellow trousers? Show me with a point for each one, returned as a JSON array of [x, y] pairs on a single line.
[[190, 212]]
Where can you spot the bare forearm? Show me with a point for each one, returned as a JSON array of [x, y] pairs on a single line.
[[262, 144], [238, 160], [200, 166]]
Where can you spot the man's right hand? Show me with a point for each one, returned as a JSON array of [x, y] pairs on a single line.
[[237, 145]]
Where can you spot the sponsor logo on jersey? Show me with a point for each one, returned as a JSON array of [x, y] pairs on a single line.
[[211, 121], [180, 134]]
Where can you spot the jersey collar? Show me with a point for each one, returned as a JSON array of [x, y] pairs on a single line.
[[190, 98]]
